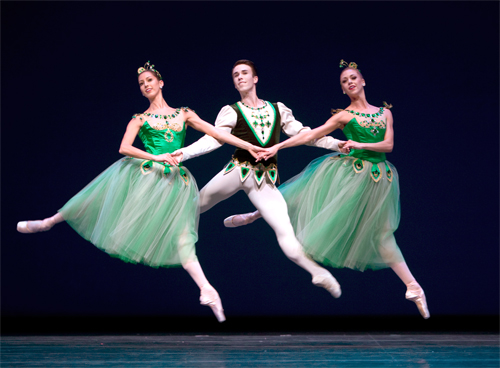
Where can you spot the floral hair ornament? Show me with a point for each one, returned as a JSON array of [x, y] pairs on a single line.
[[149, 68], [344, 64]]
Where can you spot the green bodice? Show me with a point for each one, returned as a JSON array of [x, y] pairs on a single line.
[[364, 128], [157, 142]]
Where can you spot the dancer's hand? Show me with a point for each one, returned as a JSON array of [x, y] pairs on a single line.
[[177, 155], [342, 148], [167, 158], [256, 151], [352, 145], [268, 153]]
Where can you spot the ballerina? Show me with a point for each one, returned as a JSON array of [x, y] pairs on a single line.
[[145, 207], [345, 208]]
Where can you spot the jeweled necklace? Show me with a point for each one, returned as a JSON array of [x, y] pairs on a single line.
[[376, 115], [255, 108], [169, 136], [371, 123]]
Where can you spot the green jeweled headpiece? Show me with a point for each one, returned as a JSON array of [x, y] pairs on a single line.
[[149, 68], [344, 64]]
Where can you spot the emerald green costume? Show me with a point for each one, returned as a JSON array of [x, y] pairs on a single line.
[[138, 210], [345, 209]]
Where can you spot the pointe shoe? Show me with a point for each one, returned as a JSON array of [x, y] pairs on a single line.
[[238, 220], [329, 283], [210, 298], [22, 227], [31, 227], [416, 294]]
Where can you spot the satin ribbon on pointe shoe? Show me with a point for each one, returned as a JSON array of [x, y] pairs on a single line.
[[329, 283], [213, 301], [416, 294]]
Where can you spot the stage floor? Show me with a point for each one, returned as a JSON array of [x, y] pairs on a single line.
[[254, 350]]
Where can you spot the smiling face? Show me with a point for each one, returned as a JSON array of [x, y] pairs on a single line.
[[243, 78], [149, 84], [351, 81]]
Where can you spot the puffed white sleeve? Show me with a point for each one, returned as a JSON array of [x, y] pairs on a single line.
[[226, 120], [291, 127]]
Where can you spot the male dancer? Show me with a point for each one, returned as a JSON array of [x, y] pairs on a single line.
[[258, 122]]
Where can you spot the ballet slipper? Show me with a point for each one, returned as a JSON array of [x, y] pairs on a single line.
[[31, 227], [329, 283], [238, 220], [210, 298], [416, 294]]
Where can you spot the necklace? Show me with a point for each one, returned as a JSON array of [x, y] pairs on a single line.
[[376, 115], [371, 122], [169, 136], [255, 108]]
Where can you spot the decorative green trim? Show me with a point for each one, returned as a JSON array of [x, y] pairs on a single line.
[[388, 172], [375, 173], [259, 176], [244, 173], [253, 129], [230, 166], [358, 166], [273, 175]]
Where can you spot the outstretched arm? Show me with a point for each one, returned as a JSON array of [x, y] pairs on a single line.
[[194, 121], [335, 122], [126, 147], [292, 127], [226, 120], [385, 146]]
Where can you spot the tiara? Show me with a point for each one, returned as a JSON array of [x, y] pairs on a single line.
[[350, 65], [148, 68]]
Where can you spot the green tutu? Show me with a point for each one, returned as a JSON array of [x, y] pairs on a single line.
[[345, 210], [138, 213]]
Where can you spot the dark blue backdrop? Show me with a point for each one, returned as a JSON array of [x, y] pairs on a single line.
[[69, 88]]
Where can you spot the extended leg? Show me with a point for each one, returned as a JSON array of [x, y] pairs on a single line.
[[271, 205], [391, 254], [208, 295], [218, 189], [29, 227]]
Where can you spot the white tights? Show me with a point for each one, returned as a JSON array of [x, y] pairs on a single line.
[[192, 267], [271, 205], [400, 268]]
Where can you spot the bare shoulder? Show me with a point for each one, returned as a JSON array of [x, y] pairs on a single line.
[[188, 114], [387, 113], [137, 119]]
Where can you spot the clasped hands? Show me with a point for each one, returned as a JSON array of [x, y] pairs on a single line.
[[259, 153]]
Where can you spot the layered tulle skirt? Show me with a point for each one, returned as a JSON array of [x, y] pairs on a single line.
[[345, 211], [138, 213]]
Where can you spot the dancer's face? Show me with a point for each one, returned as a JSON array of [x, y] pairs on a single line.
[[243, 78], [149, 84], [351, 82]]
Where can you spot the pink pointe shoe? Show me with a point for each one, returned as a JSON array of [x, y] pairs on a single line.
[[416, 294], [238, 220], [210, 298], [31, 227], [329, 283]]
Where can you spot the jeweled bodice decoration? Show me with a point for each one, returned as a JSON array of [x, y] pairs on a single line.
[[367, 128], [261, 120], [162, 136], [369, 121], [160, 125]]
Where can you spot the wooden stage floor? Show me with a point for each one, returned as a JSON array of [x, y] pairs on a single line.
[[253, 350]]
